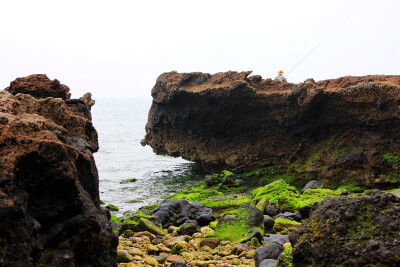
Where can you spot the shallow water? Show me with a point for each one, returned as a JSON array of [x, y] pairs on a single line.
[[120, 125]]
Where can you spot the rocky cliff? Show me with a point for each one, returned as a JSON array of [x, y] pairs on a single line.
[[346, 128], [49, 195]]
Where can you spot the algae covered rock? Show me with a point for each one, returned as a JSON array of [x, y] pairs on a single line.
[[236, 226], [347, 231]]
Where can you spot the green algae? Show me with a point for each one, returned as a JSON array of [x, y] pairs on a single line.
[[132, 180], [286, 258], [195, 194], [112, 207], [234, 227], [288, 198], [151, 207], [285, 226]]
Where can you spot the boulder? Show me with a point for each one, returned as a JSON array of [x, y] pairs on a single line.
[[347, 231], [294, 216], [50, 210], [269, 224], [176, 212]]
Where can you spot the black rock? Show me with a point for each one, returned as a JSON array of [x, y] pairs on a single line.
[[189, 228], [251, 234], [269, 224], [271, 209], [271, 252], [176, 212]]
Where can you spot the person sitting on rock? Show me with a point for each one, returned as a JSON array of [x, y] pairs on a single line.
[[280, 77]]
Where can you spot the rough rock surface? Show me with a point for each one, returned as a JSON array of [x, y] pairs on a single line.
[[176, 212], [239, 122], [49, 196], [361, 231]]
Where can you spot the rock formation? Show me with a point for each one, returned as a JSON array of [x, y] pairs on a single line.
[[361, 231], [347, 127], [49, 195]]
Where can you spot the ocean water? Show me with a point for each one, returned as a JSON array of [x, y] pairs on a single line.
[[120, 125]]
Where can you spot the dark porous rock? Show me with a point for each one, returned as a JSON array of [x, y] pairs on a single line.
[[312, 185], [39, 86], [269, 224], [360, 231], [267, 263], [217, 122], [176, 212], [49, 195], [271, 209], [189, 228], [275, 238], [271, 252], [294, 216]]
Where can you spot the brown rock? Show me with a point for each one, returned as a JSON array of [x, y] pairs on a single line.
[[39, 86], [211, 242], [87, 98], [135, 251], [146, 233], [49, 196], [174, 258]]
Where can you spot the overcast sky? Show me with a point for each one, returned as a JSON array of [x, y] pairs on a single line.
[[119, 48]]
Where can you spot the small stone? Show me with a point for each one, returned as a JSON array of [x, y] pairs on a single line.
[[189, 227], [175, 258], [235, 262], [312, 185], [267, 263], [211, 242], [160, 259], [146, 233], [135, 251], [152, 261], [179, 247]]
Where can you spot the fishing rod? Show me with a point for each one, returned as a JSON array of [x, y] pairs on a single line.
[[326, 37]]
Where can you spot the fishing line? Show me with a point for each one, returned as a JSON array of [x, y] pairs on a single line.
[[326, 37]]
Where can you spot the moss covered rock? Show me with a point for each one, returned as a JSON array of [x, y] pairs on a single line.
[[236, 226], [350, 231], [285, 226]]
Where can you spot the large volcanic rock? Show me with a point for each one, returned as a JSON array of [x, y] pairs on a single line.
[[348, 127], [361, 231], [49, 196]]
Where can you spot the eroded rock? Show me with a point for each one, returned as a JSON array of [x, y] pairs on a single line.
[[49, 196]]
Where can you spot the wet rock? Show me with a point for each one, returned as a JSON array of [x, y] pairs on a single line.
[[176, 212], [357, 231], [312, 185], [189, 228]]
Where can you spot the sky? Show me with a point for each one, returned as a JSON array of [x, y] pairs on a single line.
[[119, 48]]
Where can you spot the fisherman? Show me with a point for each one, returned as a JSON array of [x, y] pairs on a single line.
[[280, 77]]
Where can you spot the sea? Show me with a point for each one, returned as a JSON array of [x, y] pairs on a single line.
[[120, 124]]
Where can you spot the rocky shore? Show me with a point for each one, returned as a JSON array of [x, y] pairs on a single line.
[[315, 182]]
